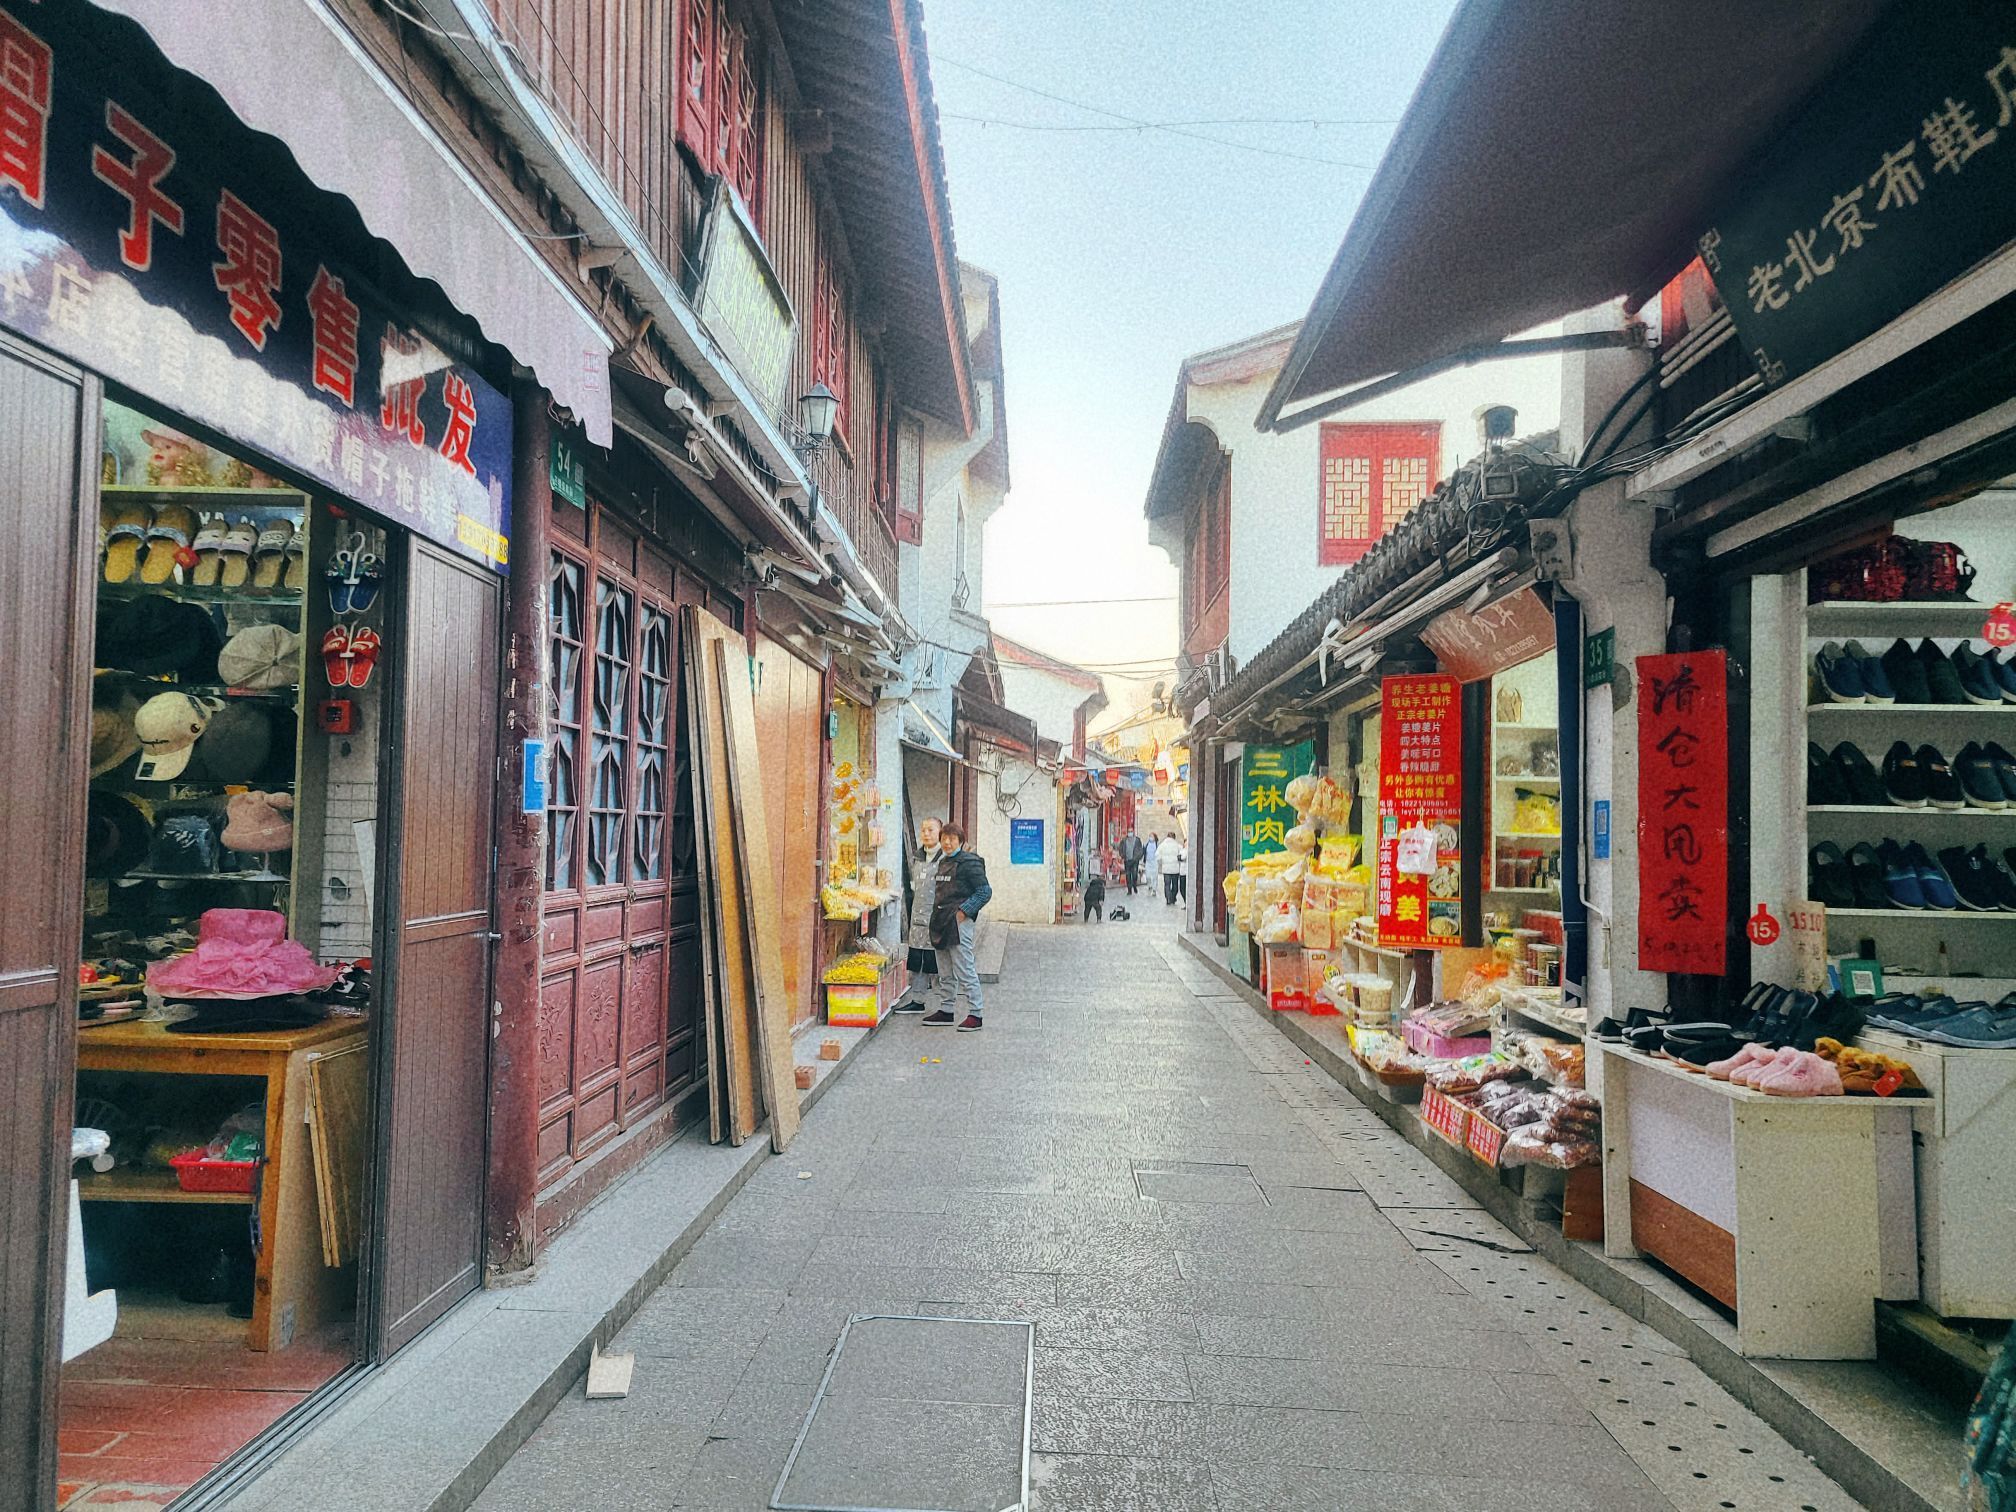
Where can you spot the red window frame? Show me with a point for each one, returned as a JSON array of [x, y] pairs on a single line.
[[831, 349], [1370, 476], [1208, 560], [721, 97]]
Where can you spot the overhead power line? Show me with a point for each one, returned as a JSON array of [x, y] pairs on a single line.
[[1313, 123], [1153, 598], [1143, 124]]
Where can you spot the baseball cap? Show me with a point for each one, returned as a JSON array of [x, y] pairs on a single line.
[[167, 727]]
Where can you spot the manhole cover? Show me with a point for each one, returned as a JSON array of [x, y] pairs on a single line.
[[1197, 1181], [917, 1415]]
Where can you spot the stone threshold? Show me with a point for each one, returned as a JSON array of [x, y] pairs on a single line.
[[426, 1431], [1886, 1443]]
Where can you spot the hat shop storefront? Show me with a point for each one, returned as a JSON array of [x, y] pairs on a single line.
[[252, 779]]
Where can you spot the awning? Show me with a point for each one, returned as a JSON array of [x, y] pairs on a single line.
[[288, 68], [921, 733], [1557, 153]]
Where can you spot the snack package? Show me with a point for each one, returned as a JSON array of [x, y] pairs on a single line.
[[1337, 852], [1298, 793], [1319, 891], [1536, 813], [1301, 839], [1280, 924], [1317, 933]]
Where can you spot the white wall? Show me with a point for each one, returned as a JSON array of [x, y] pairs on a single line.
[[1050, 700], [1025, 894], [1276, 495]]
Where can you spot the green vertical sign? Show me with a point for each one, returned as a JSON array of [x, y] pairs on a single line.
[[1265, 815], [568, 473]]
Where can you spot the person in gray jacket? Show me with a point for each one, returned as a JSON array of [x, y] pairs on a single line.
[[923, 960]]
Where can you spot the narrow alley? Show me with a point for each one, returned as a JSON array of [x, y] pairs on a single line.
[[1239, 1295]]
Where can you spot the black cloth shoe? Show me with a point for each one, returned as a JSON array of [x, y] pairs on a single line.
[[1865, 788], [1972, 876], [1865, 870], [2005, 767], [1609, 1031], [1978, 778], [1832, 882], [1942, 787], [1824, 785], [937, 1018], [1942, 678], [2003, 882], [1977, 676], [1906, 674], [908, 1005], [1903, 778]]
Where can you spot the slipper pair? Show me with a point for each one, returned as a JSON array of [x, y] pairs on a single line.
[[1784, 1072], [348, 657], [148, 543], [353, 577]]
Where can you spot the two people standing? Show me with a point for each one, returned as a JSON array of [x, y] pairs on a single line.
[[1169, 861], [949, 890]]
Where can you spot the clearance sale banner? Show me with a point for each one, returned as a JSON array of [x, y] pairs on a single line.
[[1420, 811], [1683, 812]]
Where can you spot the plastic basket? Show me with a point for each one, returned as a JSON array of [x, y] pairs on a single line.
[[197, 1173]]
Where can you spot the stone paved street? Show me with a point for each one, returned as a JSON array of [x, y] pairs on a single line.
[[1224, 1255]]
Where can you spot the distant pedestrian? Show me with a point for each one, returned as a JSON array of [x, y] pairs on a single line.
[[1148, 868], [1132, 854], [923, 879], [1170, 861], [1095, 898], [962, 891]]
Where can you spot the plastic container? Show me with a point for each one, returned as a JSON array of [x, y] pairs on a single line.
[[198, 1173]]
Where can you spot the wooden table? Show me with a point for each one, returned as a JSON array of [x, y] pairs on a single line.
[[293, 1290], [1795, 1211]]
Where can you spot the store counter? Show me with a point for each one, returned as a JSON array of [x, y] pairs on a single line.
[[293, 1289], [1797, 1212]]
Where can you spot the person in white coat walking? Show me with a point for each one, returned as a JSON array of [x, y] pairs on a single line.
[[1170, 860]]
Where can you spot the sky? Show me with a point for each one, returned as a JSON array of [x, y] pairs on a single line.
[[1121, 252]]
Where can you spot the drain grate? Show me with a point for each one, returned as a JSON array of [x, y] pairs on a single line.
[[917, 1415]]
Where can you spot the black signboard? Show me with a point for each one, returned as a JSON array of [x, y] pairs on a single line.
[[1898, 176]]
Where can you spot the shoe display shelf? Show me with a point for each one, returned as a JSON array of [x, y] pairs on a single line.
[[1541, 1006], [1941, 619], [1966, 1183], [1797, 1213]]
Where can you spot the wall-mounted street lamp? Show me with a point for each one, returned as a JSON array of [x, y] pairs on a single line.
[[817, 410]]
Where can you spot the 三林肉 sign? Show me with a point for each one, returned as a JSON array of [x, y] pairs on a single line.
[[1265, 815]]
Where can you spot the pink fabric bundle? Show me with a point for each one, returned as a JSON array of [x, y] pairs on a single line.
[[240, 953]]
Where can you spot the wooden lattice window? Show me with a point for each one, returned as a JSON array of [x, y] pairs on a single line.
[[1371, 478], [831, 353], [566, 651], [654, 736], [609, 736], [721, 98]]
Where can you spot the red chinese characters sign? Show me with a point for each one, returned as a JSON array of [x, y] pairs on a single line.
[[1683, 812], [1420, 812], [1472, 646]]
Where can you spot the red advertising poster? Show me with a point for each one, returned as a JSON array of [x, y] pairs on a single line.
[[1683, 812], [1420, 811]]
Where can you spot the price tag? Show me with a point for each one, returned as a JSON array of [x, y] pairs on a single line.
[[2000, 630], [1762, 928], [1889, 1082]]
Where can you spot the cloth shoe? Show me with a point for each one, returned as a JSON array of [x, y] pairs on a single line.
[[1942, 786], [1840, 675], [2005, 767], [1900, 877], [1830, 882], [1865, 788], [1932, 879], [1942, 678], [937, 1018], [1875, 681], [1971, 875], [970, 1024], [1824, 784], [1977, 676], [1906, 673], [2004, 665], [1804, 1075], [1865, 871], [1979, 779], [2003, 883], [1903, 778]]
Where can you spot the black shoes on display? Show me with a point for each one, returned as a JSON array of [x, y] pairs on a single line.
[[1921, 675], [1982, 777]]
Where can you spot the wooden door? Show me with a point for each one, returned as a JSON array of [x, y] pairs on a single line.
[[790, 723], [437, 1014], [49, 417]]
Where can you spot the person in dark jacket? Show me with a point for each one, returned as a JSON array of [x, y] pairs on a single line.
[[962, 890], [1132, 854]]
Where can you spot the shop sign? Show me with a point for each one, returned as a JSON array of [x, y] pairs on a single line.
[[1599, 659], [1420, 811], [1683, 812], [1025, 842], [1516, 629], [1264, 814], [532, 788], [742, 301], [567, 472], [135, 241], [1899, 175]]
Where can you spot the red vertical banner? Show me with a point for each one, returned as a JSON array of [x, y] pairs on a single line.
[[1683, 812], [1420, 790]]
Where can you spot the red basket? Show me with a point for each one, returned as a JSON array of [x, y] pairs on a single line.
[[198, 1173]]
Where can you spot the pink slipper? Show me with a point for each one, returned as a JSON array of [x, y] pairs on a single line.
[[1805, 1076], [1749, 1054], [1759, 1068]]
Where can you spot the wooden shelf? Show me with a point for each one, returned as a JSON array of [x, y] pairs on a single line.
[[1515, 777], [129, 1184], [1554, 835], [1904, 708], [215, 494], [1549, 892], [1981, 915]]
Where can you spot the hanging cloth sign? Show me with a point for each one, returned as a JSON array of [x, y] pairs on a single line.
[[1683, 812]]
